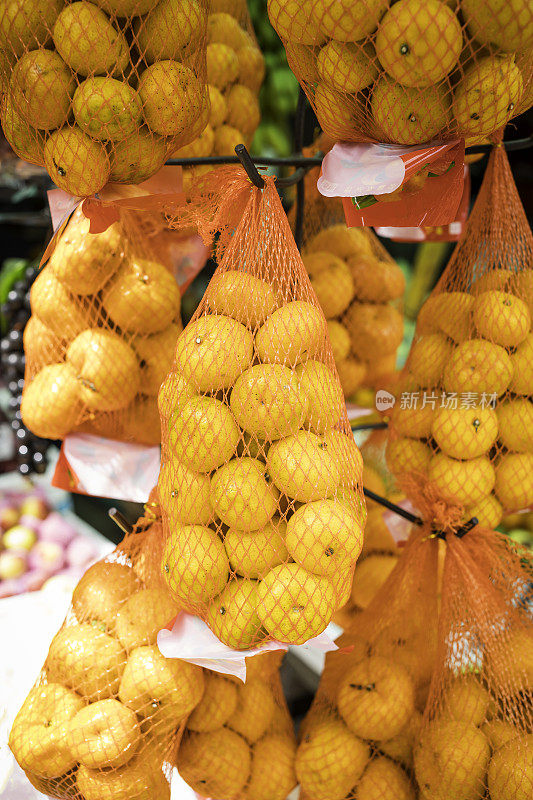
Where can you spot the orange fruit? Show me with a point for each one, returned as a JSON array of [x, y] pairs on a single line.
[[501, 318], [377, 329], [376, 281]]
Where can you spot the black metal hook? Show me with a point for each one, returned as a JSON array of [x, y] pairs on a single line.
[[393, 507], [121, 521], [251, 170]]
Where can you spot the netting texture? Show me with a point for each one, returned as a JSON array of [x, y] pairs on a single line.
[[410, 71], [463, 416], [260, 480], [101, 337], [102, 91]]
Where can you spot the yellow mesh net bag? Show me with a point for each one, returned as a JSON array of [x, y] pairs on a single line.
[[260, 480], [102, 91], [100, 340], [410, 71], [462, 419]]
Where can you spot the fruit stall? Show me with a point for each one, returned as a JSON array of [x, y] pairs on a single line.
[[266, 400]]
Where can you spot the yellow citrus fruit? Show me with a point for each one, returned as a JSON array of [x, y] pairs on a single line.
[[173, 394], [400, 747], [294, 605], [501, 318], [107, 109], [235, 7], [449, 313], [465, 482], [242, 494], [216, 706], [488, 512], [324, 537], [351, 375], [339, 339], [384, 778], [216, 763], [419, 42], [232, 616], [242, 296], [487, 95], [136, 158], [428, 358], [465, 698], [291, 332], [514, 480], [204, 434], [272, 776], [522, 365], [409, 644], [243, 110], [341, 241], [294, 23], [372, 480], [465, 432], [271, 401], [378, 537], [347, 455], [254, 711], [369, 576], [510, 772], [408, 455], [172, 97], [303, 468], [524, 288], [194, 563], [75, 162], [413, 422], [349, 20], [376, 281], [330, 760], [375, 698], [515, 423], [408, 115], [347, 67], [478, 366], [507, 26], [224, 28], [253, 554], [303, 62], [87, 41], [41, 89], [334, 287], [251, 67], [222, 65], [226, 140], [198, 148], [377, 329], [335, 111], [26, 24], [499, 732], [184, 494], [27, 142], [500, 280], [51, 404], [218, 110], [319, 384]]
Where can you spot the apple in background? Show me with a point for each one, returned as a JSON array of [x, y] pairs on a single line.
[[55, 528], [34, 507], [9, 516], [19, 537], [47, 556], [12, 564]]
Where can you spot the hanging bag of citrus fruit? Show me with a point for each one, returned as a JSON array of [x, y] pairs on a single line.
[[102, 91], [463, 413], [260, 479], [100, 340]]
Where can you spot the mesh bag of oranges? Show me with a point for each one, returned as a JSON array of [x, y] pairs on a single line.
[[431, 697], [463, 412], [260, 481], [105, 716], [359, 287], [102, 91], [410, 71], [100, 340], [239, 741], [235, 72]]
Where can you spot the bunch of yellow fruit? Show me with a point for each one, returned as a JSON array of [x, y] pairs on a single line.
[[100, 341], [466, 416], [410, 71], [355, 281], [239, 741], [103, 90], [101, 722], [259, 484], [235, 72]]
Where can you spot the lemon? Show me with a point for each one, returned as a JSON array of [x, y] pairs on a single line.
[[465, 482], [169, 28], [408, 455], [303, 468], [515, 422], [252, 555], [478, 366], [26, 24], [419, 42], [514, 481], [243, 110], [107, 109], [465, 433], [254, 712], [324, 537], [342, 241], [242, 494], [271, 401], [222, 65], [172, 97], [488, 512], [184, 494], [41, 89], [369, 577], [522, 365], [194, 563], [348, 20], [347, 67], [213, 351], [319, 384], [204, 434], [216, 706], [296, 22], [218, 109], [75, 162], [413, 422], [232, 616], [409, 115], [501, 318], [88, 42], [272, 776], [291, 332], [303, 62], [487, 96], [136, 158], [294, 605], [215, 764], [428, 358], [334, 287], [330, 760], [507, 26], [351, 375]]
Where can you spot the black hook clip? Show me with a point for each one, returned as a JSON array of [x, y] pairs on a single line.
[[251, 170]]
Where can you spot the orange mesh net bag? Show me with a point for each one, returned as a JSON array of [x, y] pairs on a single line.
[[100, 341], [462, 419], [239, 742], [105, 717], [260, 480], [102, 91], [410, 71]]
